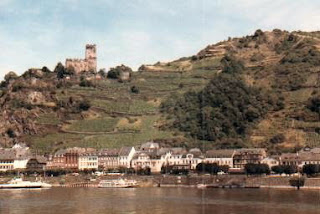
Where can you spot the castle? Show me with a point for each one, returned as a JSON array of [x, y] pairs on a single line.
[[87, 64]]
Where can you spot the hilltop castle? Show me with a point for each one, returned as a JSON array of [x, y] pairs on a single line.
[[87, 64]]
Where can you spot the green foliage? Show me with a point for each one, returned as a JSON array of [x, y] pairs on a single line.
[[84, 105], [311, 169], [225, 108], [279, 138], [314, 104], [286, 44], [135, 89], [211, 168], [86, 83], [174, 170], [60, 71], [144, 171], [297, 182], [11, 133], [256, 169], [286, 169], [231, 65], [114, 73], [45, 69], [295, 66]]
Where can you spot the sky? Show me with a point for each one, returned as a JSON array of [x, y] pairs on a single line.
[[37, 33]]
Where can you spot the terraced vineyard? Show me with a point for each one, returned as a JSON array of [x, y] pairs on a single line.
[[117, 116]]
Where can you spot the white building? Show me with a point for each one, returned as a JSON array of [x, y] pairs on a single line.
[[125, 156], [150, 160], [88, 161]]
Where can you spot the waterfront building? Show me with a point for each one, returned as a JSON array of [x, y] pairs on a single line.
[[7, 157], [220, 157], [37, 163], [148, 159], [108, 158], [125, 156], [242, 157], [88, 161]]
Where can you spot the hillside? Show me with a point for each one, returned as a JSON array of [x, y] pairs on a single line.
[[50, 113]]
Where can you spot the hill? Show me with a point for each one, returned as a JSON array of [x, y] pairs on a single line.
[[50, 113]]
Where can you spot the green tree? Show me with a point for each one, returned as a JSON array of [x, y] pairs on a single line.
[[59, 70], [311, 169], [297, 182]]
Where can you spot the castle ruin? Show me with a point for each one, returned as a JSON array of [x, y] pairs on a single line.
[[87, 64]]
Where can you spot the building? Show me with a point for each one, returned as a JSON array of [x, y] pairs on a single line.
[[270, 161], [87, 64], [148, 159], [242, 157], [108, 158], [125, 156], [192, 158], [301, 158], [67, 158], [88, 161], [37, 163], [7, 157], [22, 156], [57, 160], [220, 157]]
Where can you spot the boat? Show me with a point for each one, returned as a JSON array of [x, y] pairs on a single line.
[[117, 183], [18, 183]]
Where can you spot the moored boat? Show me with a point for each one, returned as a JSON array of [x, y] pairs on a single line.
[[18, 183], [117, 183]]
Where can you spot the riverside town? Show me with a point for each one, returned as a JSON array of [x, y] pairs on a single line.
[[162, 107], [151, 159]]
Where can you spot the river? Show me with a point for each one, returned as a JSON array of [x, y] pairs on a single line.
[[159, 201]]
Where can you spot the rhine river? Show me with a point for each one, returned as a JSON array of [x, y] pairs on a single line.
[[159, 201]]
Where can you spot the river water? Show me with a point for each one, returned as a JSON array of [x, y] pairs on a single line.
[[159, 200]]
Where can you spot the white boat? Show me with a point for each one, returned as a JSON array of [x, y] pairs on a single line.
[[117, 183], [18, 183]]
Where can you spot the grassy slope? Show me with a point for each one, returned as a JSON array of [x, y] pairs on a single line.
[[119, 117]]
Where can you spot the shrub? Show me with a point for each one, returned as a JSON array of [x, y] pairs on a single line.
[[114, 73], [86, 83], [311, 169], [231, 65], [84, 105], [297, 182], [135, 89], [256, 169]]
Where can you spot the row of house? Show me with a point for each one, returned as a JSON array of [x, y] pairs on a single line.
[[19, 157], [149, 155]]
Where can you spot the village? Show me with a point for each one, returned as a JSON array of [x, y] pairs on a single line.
[[149, 156]]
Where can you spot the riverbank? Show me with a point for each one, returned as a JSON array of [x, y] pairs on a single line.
[[212, 181]]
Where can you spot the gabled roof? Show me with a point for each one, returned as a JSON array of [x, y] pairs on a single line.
[[220, 153], [108, 152], [7, 154], [259, 151], [125, 151]]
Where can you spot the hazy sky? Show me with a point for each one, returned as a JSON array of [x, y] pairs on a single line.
[[34, 33]]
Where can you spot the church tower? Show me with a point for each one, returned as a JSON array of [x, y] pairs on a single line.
[[91, 57]]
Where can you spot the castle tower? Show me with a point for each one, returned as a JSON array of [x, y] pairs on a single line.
[[91, 57]]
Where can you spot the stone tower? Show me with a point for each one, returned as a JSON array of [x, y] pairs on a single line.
[[91, 57]]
